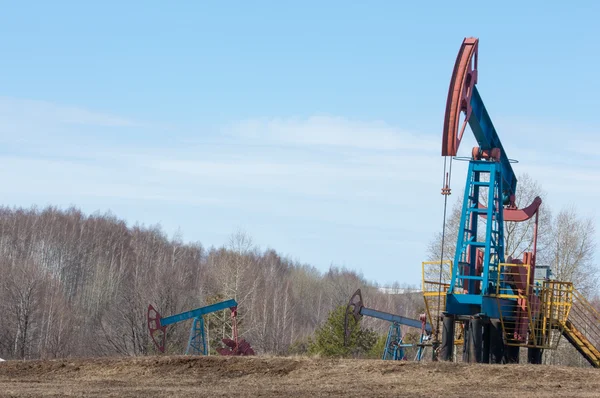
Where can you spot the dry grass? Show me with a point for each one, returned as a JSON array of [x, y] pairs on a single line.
[[288, 377]]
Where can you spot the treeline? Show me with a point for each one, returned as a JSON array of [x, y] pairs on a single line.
[[78, 285]]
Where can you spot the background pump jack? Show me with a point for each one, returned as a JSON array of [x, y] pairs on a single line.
[[197, 344], [394, 347], [498, 302]]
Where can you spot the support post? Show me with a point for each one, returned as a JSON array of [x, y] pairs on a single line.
[[534, 355], [487, 339], [473, 340], [447, 348], [496, 341], [511, 354]]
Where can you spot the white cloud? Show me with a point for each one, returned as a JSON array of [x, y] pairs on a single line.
[[361, 161], [332, 131], [41, 126], [73, 179], [24, 111]]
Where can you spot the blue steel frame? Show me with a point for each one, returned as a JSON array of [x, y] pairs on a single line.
[[394, 348], [198, 312], [197, 341], [394, 318], [500, 184], [421, 349]]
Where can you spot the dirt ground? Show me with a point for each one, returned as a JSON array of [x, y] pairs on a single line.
[[181, 376]]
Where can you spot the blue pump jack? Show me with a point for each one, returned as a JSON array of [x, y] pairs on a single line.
[[394, 346], [473, 295], [197, 344]]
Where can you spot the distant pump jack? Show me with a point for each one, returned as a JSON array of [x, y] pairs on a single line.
[[197, 344]]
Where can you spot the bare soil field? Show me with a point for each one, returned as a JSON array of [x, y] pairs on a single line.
[[180, 376]]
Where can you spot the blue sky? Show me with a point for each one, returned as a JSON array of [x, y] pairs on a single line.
[[315, 127]]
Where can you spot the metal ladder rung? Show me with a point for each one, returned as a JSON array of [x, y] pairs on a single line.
[[475, 244], [476, 210]]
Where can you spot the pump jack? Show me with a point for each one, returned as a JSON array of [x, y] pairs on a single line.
[[394, 346], [197, 341], [500, 303]]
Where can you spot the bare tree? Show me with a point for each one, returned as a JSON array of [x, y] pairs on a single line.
[[571, 251], [519, 236], [23, 285]]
